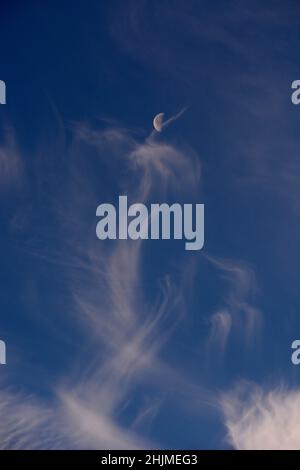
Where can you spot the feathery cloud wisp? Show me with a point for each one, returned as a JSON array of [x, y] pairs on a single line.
[[238, 314], [262, 419]]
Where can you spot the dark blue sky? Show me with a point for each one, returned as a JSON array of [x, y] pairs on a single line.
[[136, 345]]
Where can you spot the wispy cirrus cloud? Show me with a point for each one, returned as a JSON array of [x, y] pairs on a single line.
[[126, 331], [262, 419], [122, 330], [27, 423], [179, 41], [175, 34], [238, 315]]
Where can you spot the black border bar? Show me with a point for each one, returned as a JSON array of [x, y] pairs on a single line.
[[141, 458]]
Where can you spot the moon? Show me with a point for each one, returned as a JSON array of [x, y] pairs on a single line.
[[158, 122]]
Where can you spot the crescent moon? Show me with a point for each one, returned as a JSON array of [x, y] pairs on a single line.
[[158, 122]]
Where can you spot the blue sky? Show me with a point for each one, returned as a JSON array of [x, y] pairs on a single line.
[[122, 344]]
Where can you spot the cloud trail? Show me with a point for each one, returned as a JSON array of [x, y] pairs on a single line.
[[238, 316]]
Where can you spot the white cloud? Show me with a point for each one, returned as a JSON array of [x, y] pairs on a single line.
[[221, 323], [238, 315], [262, 419], [26, 423], [121, 330]]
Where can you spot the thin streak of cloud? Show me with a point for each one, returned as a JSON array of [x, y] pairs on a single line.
[[221, 323], [239, 315]]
